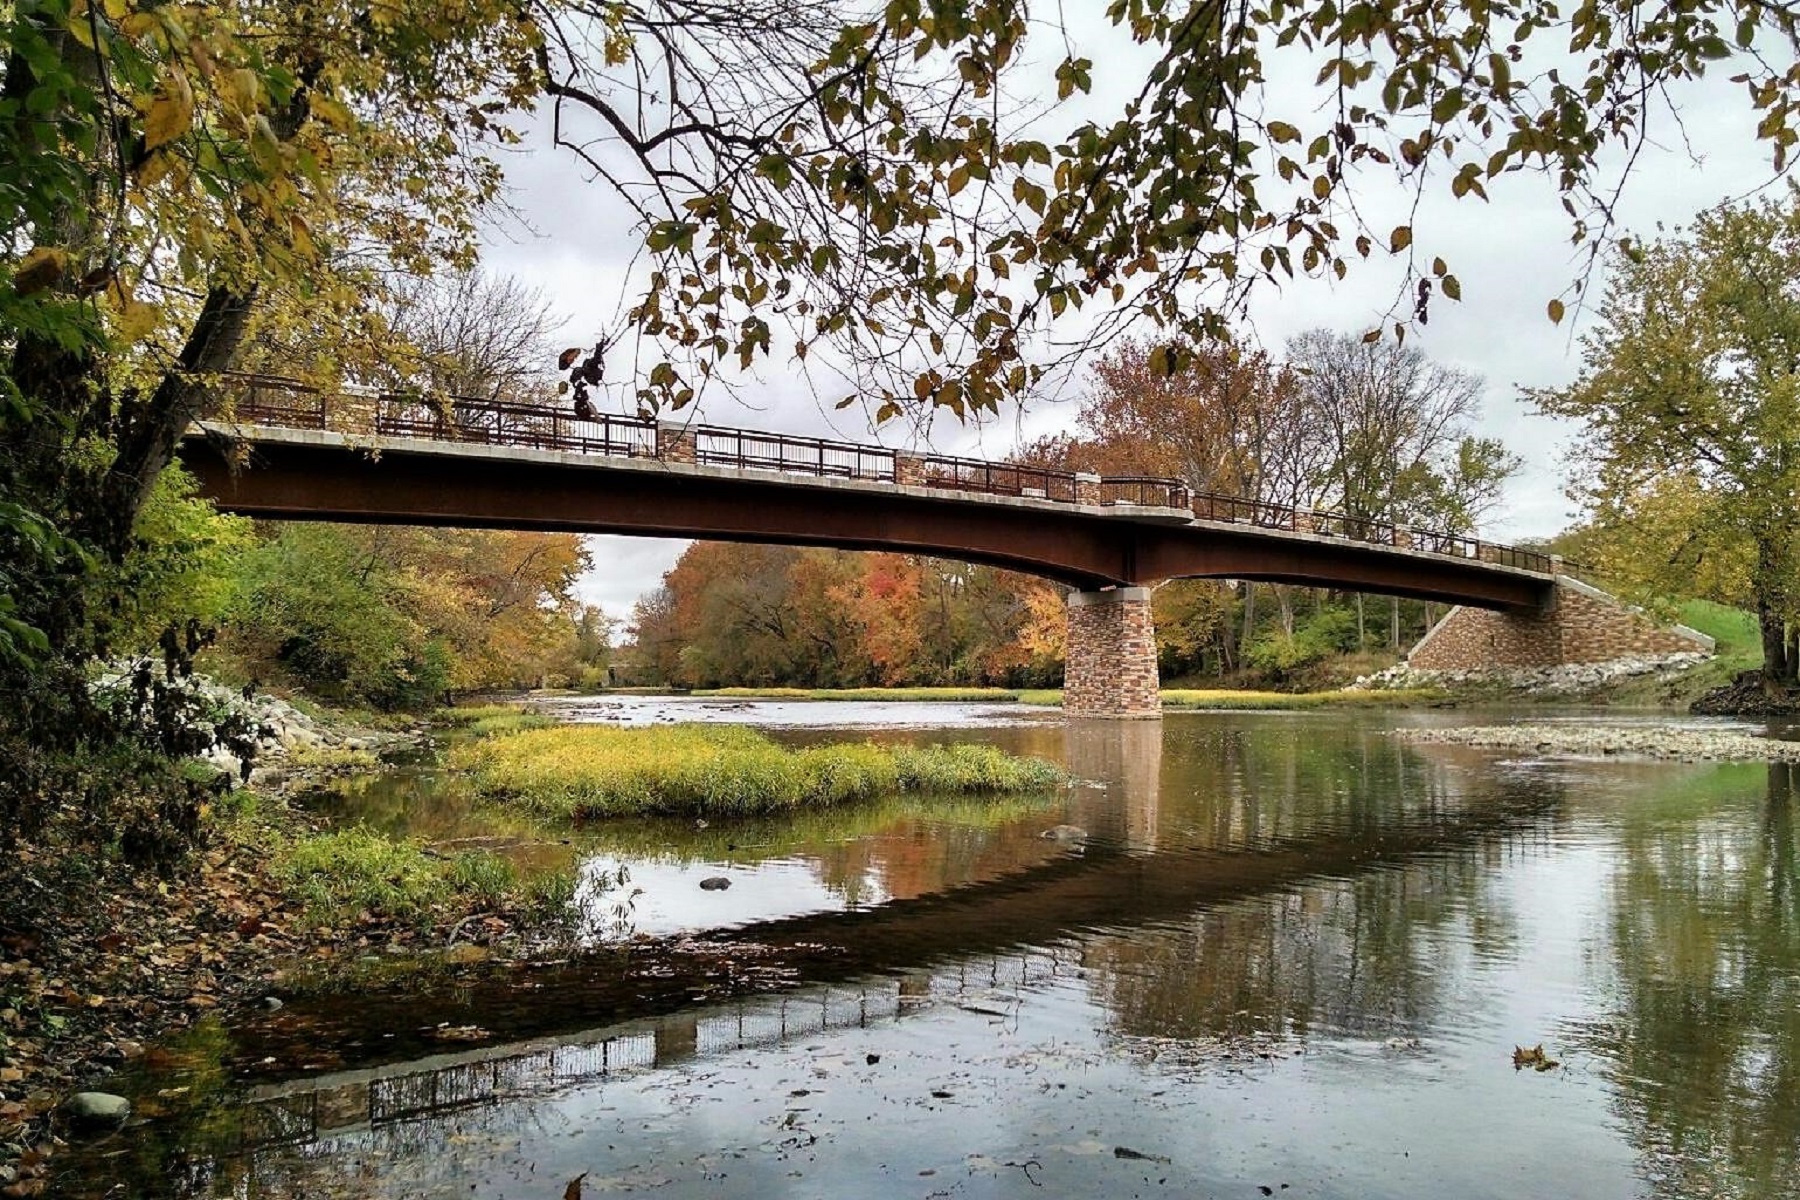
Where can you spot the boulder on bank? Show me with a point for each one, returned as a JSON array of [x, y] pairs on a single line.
[[714, 883], [97, 1110]]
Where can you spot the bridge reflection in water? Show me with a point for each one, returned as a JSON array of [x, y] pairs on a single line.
[[378, 1099], [1273, 930]]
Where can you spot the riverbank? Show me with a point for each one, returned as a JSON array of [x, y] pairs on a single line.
[[1678, 743], [101, 957]]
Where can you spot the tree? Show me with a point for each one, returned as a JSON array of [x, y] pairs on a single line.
[[1396, 426], [467, 333], [732, 614], [174, 178], [808, 174], [1690, 404], [1398, 447], [394, 617]]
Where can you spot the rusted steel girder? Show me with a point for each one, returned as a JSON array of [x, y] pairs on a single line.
[[320, 481]]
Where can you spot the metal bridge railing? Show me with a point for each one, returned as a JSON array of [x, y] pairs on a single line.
[[719, 447], [274, 401]]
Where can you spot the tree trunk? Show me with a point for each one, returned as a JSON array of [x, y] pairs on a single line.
[[1362, 636], [1227, 642], [152, 428], [1394, 623], [1249, 613], [1775, 669]]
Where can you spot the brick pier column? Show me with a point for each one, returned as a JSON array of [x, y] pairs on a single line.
[[674, 443], [1111, 660], [909, 470], [351, 413], [1087, 488]]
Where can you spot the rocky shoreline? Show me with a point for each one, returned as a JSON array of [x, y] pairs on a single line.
[[1678, 743], [1569, 679], [212, 935]]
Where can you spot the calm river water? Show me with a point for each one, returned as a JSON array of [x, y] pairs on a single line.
[[1292, 956]]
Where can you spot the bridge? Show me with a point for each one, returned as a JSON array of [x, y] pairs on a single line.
[[285, 450]]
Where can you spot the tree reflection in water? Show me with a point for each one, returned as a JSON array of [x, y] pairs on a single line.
[[1360, 954], [1705, 950]]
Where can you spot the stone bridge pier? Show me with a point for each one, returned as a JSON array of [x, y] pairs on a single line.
[[1110, 660]]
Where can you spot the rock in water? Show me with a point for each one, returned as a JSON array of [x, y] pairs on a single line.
[[1064, 833], [715, 883], [97, 1110]]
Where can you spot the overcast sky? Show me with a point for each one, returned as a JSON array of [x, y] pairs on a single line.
[[1511, 255]]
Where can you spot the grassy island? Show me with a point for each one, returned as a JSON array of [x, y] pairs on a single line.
[[583, 772]]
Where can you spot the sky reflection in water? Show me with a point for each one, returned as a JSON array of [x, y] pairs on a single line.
[[1293, 951]]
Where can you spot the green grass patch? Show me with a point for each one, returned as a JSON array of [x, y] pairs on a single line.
[[491, 720], [1735, 631], [341, 875], [952, 695], [332, 760], [583, 772]]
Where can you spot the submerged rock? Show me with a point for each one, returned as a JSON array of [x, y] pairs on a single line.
[[715, 883], [97, 1110], [1064, 833]]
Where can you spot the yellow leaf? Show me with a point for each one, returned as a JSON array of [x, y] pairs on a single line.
[[244, 88], [79, 29], [265, 147], [1556, 312], [329, 111], [1400, 239], [302, 234], [136, 320], [171, 113], [40, 269]]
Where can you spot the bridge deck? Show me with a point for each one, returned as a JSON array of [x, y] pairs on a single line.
[[479, 464]]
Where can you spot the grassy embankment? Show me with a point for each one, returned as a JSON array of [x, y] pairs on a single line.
[[359, 875], [584, 772], [1738, 648]]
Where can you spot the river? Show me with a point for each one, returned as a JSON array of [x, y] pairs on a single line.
[[1292, 956]]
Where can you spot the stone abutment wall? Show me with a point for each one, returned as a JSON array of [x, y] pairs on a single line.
[[1585, 625], [1111, 664]]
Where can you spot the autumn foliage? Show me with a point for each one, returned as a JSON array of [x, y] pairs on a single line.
[[730, 614]]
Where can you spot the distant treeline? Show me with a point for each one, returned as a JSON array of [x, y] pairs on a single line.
[[773, 616]]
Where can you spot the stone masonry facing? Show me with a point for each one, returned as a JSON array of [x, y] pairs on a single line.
[[1111, 663], [1585, 625]]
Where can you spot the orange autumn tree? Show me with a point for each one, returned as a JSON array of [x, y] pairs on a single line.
[[761, 616]]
